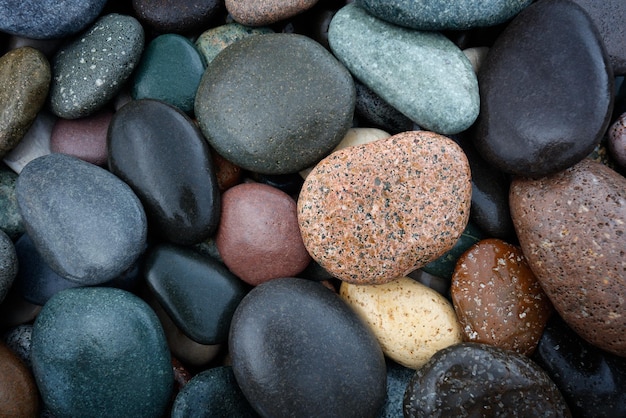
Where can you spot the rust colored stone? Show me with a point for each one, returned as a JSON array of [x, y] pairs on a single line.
[[18, 392]]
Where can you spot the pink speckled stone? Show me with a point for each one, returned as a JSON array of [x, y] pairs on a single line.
[[84, 138], [617, 141], [371, 213], [265, 12], [571, 227]]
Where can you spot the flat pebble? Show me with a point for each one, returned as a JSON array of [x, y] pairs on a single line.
[[178, 16], [265, 12], [571, 230], [497, 298], [8, 264], [84, 138], [212, 41], [374, 212], [411, 321], [406, 69], [20, 397]]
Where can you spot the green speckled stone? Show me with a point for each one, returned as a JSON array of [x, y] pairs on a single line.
[[10, 217], [101, 352], [213, 41], [170, 70], [444, 266], [422, 74]]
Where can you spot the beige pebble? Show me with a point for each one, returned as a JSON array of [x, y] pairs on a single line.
[[411, 321], [476, 56]]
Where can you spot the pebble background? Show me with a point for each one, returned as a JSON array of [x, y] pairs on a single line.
[[312, 208]]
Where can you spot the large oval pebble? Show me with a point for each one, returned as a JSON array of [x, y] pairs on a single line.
[[571, 227], [275, 103], [298, 350], [537, 115], [87, 224], [371, 213]]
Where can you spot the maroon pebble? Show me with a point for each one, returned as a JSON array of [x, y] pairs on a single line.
[[84, 138], [18, 392]]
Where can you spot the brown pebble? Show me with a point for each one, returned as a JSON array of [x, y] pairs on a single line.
[[84, 138], [18, 393], [227, 173], [265, 12]]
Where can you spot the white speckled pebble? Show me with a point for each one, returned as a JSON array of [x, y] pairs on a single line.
[[411, 321]]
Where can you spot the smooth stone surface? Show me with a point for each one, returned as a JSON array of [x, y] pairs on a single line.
[[571, 229], [592, 381], [404, 67], [539, 116], [214, 40], [267, 118], [8, 264], [213, 393], [442, 14], [473, 379], [149, 141], [398, 378], [617, 140], [35, 143], [258, 236], [87, 224], [290, 360], [265, 12], [25, 79], [91, 70], [198, 293], [19, 392], [170, 70], [107, 347], [411, 321], [84, 138], [19, 340], [497, 298], [175, 15], [10, 217], [476, 56], [376, 112], [48, 19], [371, 213]]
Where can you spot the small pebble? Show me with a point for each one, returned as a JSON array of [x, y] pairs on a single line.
[[177, 16], [617, 141], [84, 138], [213, 41], [265, 12], [20, 397], [19, 340], [36, 142], [8, 264]]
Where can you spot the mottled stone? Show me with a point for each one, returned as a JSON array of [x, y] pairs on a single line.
[[14, 310], [213, 41], [87, 224], [258, 236], [374, 212], [149, 142], [91, 70], [443, 14], [571, 229], [178, 16], [48, 19], [267, 118], [8, 264], [19, 393], [372, 110], [444, 266], [617, 141], [398, 378], [19, 340], [298, 350], [10, 217], [411, 321], [25, 79], [265, 12], [498, 299], [170, 70], [84, 138], [35, 143], [422, 74], [473, 379], [539, 116], [108, 349]]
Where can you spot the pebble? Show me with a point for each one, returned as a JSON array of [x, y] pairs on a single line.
[[497, 298], [265, 12], [298, 350], [25, 79], [198, 293], [227, 174], [472, 379], [177, 16], [258, 236], [374, 111], [213, 41], [398, 378], [170, 71], [10, 218], [149, 142], [8, 264], [84, 138], [91, 70], [19, 340], [444, 15], [19, 392], [87, 224], [267, 118], [14, 310], [371, 213], [107, 347], [405, 68], [48, 19], [35, 143], [545, 132], [411, 321], [571, 230], [617, 141]]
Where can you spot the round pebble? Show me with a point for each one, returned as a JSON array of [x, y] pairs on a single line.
[[84, 138], [19, 392], [265, 12]]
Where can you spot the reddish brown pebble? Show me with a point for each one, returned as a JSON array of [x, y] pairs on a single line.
[[265, 12], [371, 213], [258, 236], [84, 138], [227, 173], [18, 392], [571, 229], [498, 299]]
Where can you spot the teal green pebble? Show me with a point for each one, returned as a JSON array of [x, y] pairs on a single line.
[[101, 352], [170, 70], [444, 266], [10, 218], [444, 14], [422, 74], [213, 41]]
